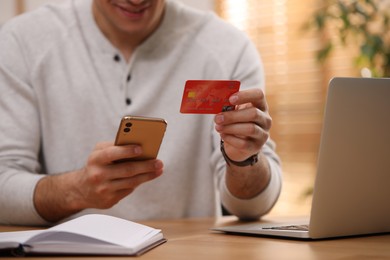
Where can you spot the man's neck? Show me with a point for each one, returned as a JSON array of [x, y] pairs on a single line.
[[125, 42]]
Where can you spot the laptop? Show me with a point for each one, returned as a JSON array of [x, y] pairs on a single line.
[[352, 188]]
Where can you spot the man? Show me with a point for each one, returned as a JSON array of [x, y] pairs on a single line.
[[69, 72]]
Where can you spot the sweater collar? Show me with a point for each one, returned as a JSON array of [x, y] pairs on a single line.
[[96, 40]]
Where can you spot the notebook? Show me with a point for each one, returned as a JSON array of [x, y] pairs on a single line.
[[352, 187]]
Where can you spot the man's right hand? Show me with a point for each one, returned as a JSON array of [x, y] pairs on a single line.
[[100, 184]]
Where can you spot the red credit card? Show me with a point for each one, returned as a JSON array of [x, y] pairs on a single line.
[[208, 96]]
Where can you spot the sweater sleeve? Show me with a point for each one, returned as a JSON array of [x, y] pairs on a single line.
[[19, 135], [249, 70], [262, 203]]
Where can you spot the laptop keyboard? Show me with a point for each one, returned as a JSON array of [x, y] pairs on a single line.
[[290, 227]]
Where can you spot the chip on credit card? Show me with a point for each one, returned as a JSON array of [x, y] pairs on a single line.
[[208, 96]]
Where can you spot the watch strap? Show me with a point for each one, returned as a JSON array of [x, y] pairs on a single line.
[[249, 161]]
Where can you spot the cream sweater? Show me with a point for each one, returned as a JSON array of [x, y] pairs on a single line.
[[62, 91]]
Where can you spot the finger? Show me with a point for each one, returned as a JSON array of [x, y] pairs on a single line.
[[109, 199], [113, 153], [245, 145], [135, 181], [252, 115], [244, 130], [254, 96], [241, 139], [108, 183], [103, 145], [240, 148], [131, 169], [119, 189]]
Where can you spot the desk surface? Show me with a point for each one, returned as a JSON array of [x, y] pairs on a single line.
[[192, 239]]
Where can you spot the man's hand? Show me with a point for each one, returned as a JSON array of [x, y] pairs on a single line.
[[245, 131], [100, 184]]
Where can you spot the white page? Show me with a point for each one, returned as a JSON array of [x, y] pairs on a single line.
[[14, 238], [106, 228]]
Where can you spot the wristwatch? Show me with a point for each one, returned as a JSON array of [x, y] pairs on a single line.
[[249, 161]]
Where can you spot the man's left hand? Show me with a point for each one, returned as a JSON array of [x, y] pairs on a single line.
[[245, 129]]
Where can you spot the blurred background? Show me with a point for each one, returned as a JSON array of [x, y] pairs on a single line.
[[303, 44]]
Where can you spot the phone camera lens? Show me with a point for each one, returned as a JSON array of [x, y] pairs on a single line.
[[126, 130], [129, 124]]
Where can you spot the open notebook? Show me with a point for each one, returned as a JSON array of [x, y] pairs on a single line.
[[352, 187], [92, 234]]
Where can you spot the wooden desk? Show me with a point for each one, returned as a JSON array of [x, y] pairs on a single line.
[[191, 239]]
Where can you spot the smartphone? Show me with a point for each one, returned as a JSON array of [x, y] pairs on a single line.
[[148, 132]]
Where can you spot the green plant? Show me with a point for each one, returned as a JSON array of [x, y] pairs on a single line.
[[362, 22]]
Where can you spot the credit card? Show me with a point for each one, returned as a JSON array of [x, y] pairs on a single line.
[[208, 96]]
